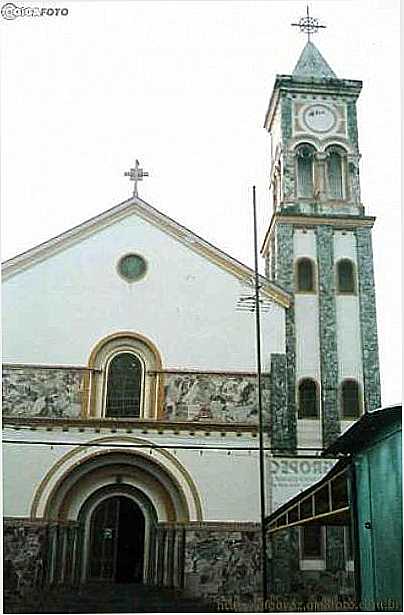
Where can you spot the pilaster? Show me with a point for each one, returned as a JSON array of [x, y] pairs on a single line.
[[284, 247], [328, 334], [368, 324], [282, 421]]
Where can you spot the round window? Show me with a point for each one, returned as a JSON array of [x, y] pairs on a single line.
[[132, 267]]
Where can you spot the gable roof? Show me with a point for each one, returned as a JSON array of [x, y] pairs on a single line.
[[312, 64], [137, 206]]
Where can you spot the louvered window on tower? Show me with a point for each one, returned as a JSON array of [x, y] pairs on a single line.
[[305, 182], [124, 385], [335, 176], [307, 403]]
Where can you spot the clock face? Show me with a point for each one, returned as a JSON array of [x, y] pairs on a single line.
[[319, 118]]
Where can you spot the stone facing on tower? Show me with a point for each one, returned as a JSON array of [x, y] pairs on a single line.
[[328, 334], [367, 303], [284, 277]]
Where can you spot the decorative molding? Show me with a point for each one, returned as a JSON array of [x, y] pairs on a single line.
[[153, 394], [35, 423], [343, 223], [197, 372], [44, 366], [137, 206], [85, 454]]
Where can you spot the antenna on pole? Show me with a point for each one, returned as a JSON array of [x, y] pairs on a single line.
[[260, 415]]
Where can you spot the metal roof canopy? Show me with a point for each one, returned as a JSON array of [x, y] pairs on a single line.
[[326, 503], [359, 435]]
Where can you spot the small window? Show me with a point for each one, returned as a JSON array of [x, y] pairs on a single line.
[[335, 175], [350, 399], [305, 171], [124, 386], [345, 276], [305, 275], [311, 541], [132, 267], [308, 403]]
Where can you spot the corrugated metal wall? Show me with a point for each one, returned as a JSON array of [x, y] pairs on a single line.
[[379, 496]]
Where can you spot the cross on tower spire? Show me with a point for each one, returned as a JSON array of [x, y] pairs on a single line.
[[308, 24], [136, 175]]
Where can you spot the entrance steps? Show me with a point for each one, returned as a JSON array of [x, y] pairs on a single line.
[[116, 598]]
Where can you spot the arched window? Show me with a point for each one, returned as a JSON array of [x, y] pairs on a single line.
[[305, 170], [124, 386], [308, 402], [350, 399], [305, 275], [345, 276], [335, 174], [124, 378]]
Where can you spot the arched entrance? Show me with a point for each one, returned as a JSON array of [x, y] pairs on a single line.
[[90, 491], [117, 540]]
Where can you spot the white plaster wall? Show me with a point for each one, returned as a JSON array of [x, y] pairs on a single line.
[[228, 485], [56, 311], [348, 316], [307, 336]]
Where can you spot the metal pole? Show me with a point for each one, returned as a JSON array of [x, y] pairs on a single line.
[[260, 417]]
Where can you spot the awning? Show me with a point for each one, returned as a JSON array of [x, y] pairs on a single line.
[[326, 503]]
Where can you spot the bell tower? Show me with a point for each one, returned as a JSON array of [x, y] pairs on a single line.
[[318, 247]]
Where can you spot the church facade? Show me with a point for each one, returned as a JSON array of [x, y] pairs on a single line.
[[129, 381]]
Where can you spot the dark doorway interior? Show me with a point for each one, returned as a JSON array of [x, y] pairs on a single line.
[[117, 541], [130, 546]]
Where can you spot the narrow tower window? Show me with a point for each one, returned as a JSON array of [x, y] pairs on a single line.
[[308, 405], [124, 386], [335, 175], [345, 276], [305, 275], [350, 400], [305, 183]]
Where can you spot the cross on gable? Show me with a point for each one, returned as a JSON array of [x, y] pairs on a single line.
[[136, 175]]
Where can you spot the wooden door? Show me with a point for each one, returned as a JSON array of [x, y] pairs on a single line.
[[104, 540]]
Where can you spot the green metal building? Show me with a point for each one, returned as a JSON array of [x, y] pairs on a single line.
[[374, 446], [363, 491]]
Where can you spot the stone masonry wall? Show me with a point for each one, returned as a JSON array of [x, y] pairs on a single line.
[[367, 303], [223, 563], [213, 397], [294, 589], [42, 392], [24, 556], [59, 392]]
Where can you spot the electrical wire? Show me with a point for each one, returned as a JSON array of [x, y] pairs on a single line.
[[163, 446]]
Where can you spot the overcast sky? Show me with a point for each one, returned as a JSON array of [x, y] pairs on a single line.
[[184, 87]]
